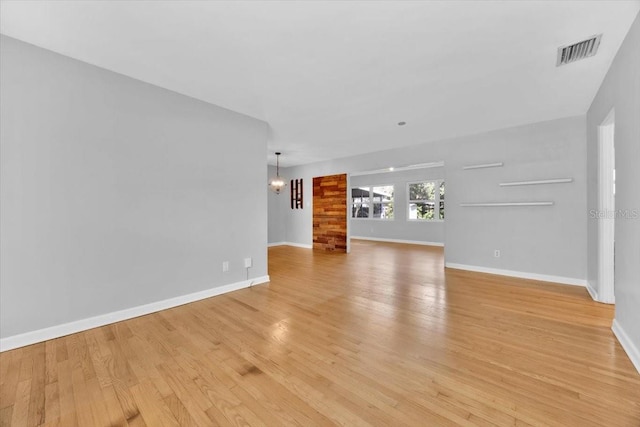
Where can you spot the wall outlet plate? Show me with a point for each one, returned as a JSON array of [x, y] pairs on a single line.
[[247, 262], [496, 253], [225, 266]]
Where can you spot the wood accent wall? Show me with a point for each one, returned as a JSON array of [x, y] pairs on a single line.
[[330, 213]]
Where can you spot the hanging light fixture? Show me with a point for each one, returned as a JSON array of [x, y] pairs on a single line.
[[277, 183]]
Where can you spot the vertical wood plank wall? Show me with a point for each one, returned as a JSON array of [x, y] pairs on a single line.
[[330, 213]]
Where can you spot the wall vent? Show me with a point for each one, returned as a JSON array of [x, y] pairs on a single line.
[[577, 51]]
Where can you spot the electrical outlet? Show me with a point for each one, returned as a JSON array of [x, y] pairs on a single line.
[[496, 253], [247, 262], [225, 266]]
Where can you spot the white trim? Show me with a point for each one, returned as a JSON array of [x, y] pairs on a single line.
[[537, 182], [483, 166], [519, 274], [348, 214], [373, 219], [410, 242], [627, 344], [606, 203], [502, 204], [297, 245], [57, 331], [436, 202], [371, 204], [592, 291], [400, 169]]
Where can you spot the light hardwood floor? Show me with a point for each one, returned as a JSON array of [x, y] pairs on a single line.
[[383, 336]]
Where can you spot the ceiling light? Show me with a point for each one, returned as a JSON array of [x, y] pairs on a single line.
[[277, 183], [391, 169]]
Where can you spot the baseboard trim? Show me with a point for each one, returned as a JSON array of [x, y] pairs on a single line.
[[57, 331], [627, 344], [409, 242], [592, 292], [297, 245], [519, 274]]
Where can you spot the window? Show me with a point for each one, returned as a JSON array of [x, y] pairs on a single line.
[[372, 202], [426, 200]]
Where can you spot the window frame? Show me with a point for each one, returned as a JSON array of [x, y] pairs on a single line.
[[371, 203], [436, 205]]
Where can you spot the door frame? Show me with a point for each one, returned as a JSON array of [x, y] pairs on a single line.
[[606, 207]]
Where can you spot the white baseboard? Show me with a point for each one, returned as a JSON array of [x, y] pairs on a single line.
[[594, 295], [519, 274], [592, 292], [297, 245], [57, 331], [627, 344], [410, 242]]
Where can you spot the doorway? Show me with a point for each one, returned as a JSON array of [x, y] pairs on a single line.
[[606, 207]]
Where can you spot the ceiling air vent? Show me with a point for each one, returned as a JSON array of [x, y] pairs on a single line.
[[577, 51]]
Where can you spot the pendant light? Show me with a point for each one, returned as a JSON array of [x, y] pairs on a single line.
[[277, 183]]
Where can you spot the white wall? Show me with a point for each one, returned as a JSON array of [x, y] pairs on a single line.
[[116, 193], [399, 228], [539, 240], [620, 90], [543, 240]]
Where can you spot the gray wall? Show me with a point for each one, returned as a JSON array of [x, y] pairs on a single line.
[[277, 205], [116, 193], [546, 240], [399, 228], [620, 90], [542, 240]]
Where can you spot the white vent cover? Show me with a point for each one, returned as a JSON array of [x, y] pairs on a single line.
[[577, 51]]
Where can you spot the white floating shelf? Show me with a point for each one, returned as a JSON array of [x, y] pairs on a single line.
[[466, 205], [537, 182], [483, 166]]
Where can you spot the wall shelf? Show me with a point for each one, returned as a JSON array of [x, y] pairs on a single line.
[[483, 166], [502, 204], [536, 182]]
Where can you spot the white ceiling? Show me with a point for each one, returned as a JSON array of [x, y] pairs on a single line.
[[334, 78]]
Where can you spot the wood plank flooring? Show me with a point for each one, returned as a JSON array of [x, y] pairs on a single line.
[[383, 336]]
